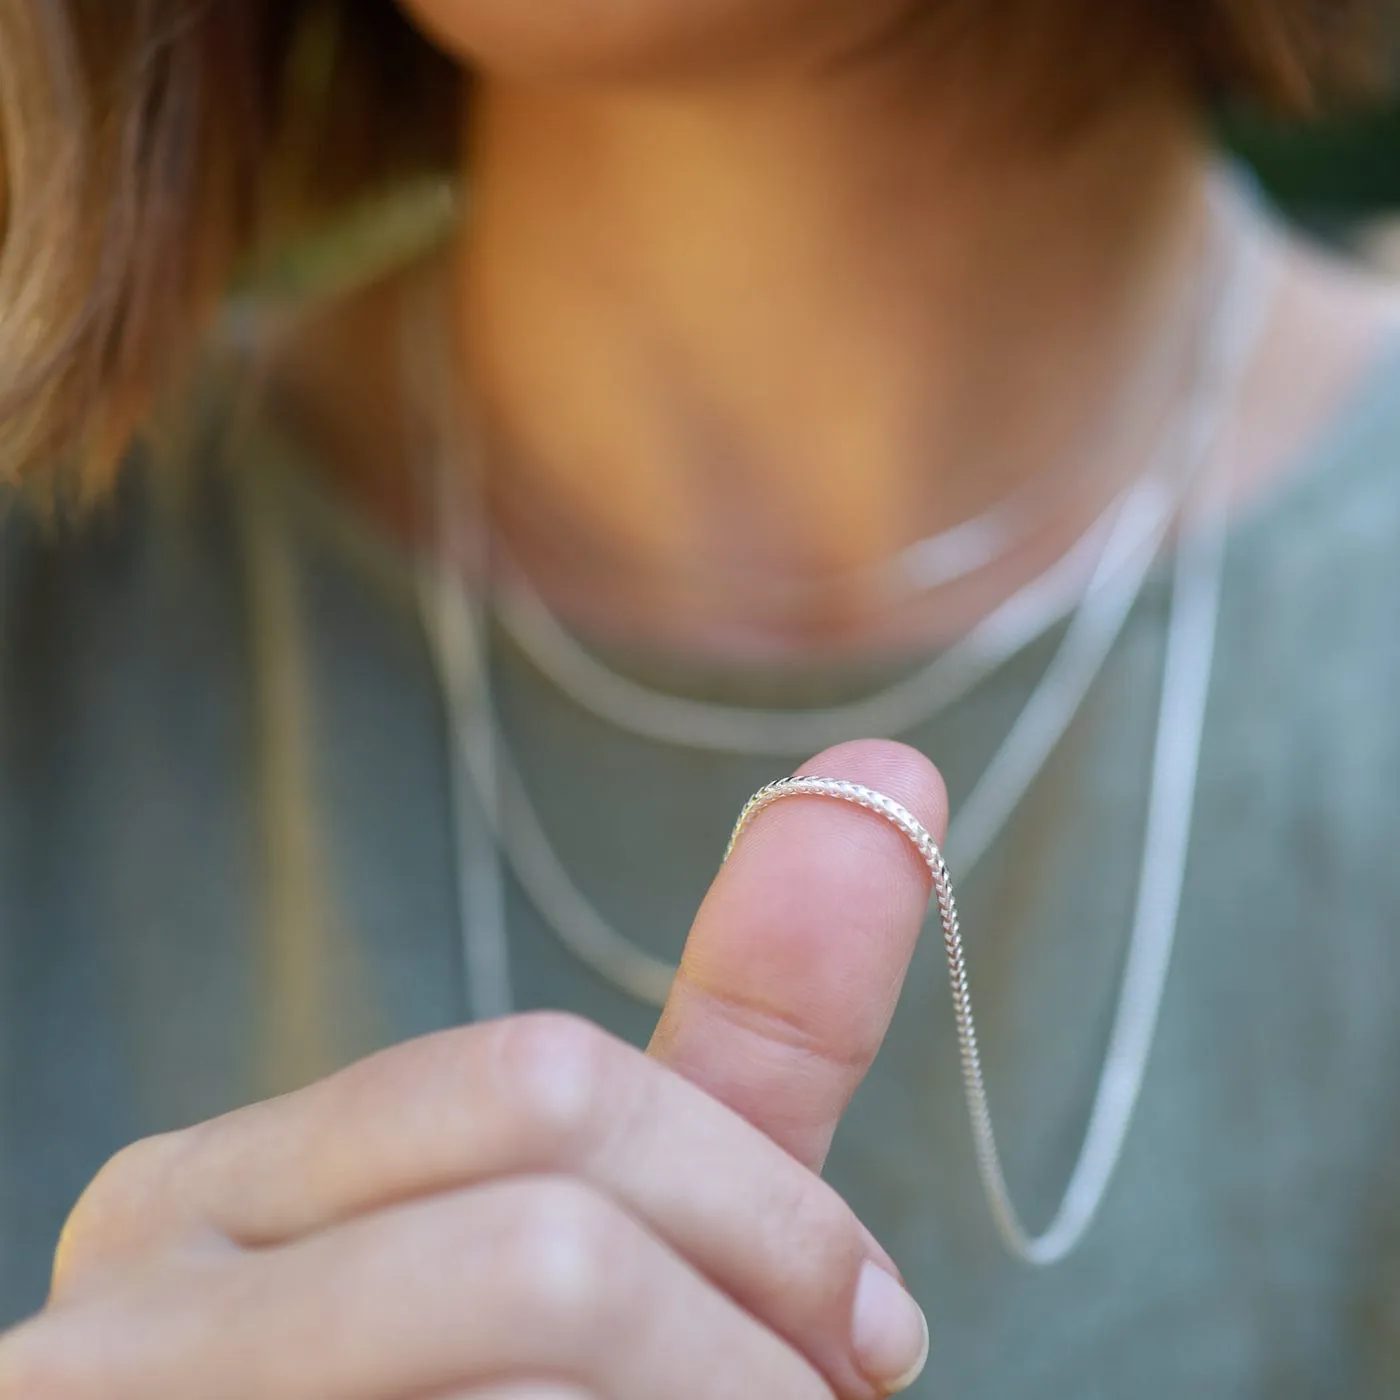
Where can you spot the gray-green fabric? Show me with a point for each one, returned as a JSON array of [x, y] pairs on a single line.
[[1250, 1244]]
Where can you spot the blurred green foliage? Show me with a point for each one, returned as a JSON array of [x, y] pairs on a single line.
[[1330, 172]]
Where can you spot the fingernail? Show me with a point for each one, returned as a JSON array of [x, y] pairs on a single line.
[[888, 1331]]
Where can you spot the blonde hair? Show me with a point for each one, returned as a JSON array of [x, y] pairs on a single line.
[[151, 146]]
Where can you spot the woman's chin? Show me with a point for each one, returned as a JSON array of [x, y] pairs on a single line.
[[601, 41]]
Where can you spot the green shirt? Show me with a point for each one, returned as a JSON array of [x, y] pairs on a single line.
[[201, 678]]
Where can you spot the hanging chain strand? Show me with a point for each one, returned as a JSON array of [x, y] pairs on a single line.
[[1185, 689], [1008, 1223]]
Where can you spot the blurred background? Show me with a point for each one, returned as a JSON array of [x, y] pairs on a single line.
[[1340, 177]]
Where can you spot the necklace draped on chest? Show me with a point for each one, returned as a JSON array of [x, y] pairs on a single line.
[[1179, 499]]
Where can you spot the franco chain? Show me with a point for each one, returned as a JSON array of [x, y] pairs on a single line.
[[974, 1086]]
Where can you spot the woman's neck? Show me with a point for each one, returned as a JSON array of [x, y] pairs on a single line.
[[776, 333]]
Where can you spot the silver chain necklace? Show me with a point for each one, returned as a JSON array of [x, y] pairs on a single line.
[[494, 818]]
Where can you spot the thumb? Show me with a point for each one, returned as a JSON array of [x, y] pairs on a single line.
[[795, 960]]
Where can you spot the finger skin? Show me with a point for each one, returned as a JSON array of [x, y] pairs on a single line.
[[797, 956], [542, 1094], [524, 1390], [527, 1278]]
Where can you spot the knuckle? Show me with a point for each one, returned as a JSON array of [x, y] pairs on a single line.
[[573, 1261], [562, 1077], [121, 1209], [815, 1233], [129, 1172]]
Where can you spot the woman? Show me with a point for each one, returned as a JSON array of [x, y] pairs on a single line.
[[797, 370]]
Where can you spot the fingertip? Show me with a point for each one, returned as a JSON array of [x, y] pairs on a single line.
[[854, 853], [891, 768]]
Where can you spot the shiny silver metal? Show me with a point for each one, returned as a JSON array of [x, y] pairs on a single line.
[[1055, 1243]]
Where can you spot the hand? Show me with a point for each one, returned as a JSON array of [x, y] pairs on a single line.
[[529, 1209]]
